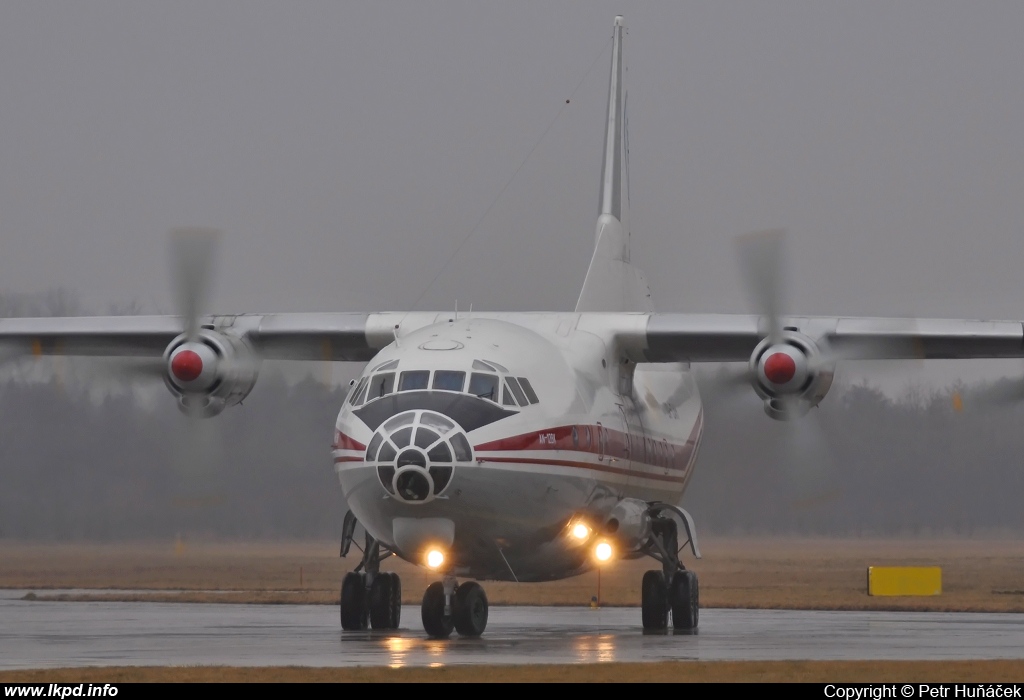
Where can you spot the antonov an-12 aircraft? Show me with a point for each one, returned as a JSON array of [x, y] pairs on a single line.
[[517, 446]]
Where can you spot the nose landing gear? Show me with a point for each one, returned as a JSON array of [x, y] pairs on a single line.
[[448, 605], [369, 597]]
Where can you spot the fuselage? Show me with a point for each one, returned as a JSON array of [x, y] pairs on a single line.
[[496, 436]]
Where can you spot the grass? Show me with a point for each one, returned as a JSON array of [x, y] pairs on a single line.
[[983, 576]]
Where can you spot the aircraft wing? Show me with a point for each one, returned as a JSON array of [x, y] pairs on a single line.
[[733, 338], [658, 337], [295, 336]]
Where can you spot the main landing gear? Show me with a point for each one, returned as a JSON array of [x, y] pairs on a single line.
[[369, 597], [673, 588], [448, 605]]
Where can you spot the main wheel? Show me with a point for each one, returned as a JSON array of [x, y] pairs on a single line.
[[685, 601], [470, 609], [382, 602], [396, 601], [354, 612], [654, 601], [435, 622]]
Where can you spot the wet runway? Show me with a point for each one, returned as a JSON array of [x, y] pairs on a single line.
[[42, 634]]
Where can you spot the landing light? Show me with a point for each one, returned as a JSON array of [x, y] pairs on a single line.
[[581, 531], [435, 558], [603, 551]]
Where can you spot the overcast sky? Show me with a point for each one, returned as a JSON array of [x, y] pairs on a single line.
[[347, 149]]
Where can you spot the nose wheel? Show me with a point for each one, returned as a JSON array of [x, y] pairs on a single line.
[[377, 605], [448, 605], [354, 611], [385, 601], [369, 597]]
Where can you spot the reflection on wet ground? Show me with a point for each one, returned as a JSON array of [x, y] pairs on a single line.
[[49, 634]]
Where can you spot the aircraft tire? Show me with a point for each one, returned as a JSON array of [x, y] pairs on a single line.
[[470, 609], [396, 600], [382, 602], [435, 622], [685, 601], [654, 601], [354, 611]]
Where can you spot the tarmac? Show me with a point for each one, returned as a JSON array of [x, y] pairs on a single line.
[[37, 634]]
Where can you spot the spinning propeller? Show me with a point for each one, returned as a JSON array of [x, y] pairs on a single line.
[[206, 369], [789, 370]]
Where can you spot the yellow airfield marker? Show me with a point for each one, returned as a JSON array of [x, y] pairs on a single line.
[[904, 580], [958, 402]]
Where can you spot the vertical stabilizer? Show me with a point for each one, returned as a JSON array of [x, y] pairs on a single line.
[[612, 283]]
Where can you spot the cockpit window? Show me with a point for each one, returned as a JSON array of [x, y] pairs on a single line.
[[528, 388], [353, 397], [449, 380], [484, 385], [497, 366], [506, 397], [359, 395], [517, 391], [494, 384], [411, 381], [381, 385]]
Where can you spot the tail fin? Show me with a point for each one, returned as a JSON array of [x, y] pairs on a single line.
[[612, 283]]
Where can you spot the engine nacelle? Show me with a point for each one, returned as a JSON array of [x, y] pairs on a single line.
[[629, 523], [790, 375], [210, 372]]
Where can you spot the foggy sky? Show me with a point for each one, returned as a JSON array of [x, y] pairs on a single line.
[[347, 148]]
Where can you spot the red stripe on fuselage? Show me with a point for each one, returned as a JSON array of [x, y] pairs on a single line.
[[666, 455], [584, 465], [344, 442]]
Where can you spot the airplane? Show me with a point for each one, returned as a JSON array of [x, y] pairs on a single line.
[[526, 446]]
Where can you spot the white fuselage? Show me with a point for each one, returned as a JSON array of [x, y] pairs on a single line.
[[442, 429]]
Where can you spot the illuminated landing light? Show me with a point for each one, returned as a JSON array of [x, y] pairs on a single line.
[[435, 558], [581, 531], [603, 551]]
